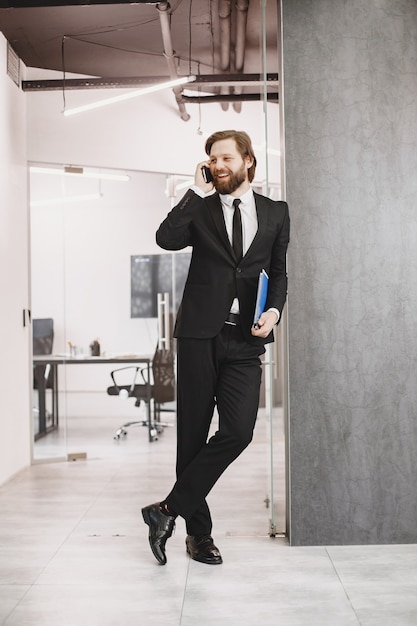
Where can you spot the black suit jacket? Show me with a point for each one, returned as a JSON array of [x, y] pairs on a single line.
[[215, 277]]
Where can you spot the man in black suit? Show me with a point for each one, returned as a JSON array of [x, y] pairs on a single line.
[[234, 233]]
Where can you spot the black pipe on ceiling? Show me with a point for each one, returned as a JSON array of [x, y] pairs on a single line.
[[202, 81], [55, 3], [243, 97]]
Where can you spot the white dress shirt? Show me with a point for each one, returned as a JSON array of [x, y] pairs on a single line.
[[249, 224], [249, 218]]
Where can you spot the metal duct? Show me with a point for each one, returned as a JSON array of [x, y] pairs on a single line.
[[208, 80], [30, 4], [225, 17], [242, 7], [163, 9]]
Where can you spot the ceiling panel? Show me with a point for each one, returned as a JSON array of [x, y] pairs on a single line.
[[123, 40]]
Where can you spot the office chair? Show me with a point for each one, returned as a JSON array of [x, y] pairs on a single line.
[[43, 335], [155, 393], [42, 342]]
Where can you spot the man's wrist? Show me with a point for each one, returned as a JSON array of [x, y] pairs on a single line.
[[277, 313], [199, 192]]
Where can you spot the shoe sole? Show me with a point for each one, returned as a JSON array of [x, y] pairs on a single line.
[[202, 560]]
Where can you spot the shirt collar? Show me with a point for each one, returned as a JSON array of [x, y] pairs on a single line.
[[227, 199]]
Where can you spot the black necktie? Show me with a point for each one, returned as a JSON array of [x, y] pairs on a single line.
[[237, 242]]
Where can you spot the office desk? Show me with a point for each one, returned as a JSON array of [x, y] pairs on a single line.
[[55, 360]]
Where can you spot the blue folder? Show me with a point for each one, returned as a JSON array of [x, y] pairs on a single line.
[[261, 296]]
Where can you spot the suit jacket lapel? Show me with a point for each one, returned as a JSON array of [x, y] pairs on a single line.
[[262, 215]]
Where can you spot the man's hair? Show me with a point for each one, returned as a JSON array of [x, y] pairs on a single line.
[[243, 143]]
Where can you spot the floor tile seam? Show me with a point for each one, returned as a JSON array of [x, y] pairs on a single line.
[[5, 620], [185, 591], [109, 584], [343, 586]]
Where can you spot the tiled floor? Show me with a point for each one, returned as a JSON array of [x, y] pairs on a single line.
[[73, 549]]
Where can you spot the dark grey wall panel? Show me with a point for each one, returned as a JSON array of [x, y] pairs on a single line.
[[350, 98]]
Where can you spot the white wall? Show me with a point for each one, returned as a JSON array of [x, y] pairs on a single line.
[[15, 368], [82, 277]]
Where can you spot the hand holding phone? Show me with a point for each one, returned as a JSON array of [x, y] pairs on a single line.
[[208, 178]]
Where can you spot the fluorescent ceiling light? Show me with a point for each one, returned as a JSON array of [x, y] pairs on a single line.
[[131, 94], [65, 199], [78, 171]]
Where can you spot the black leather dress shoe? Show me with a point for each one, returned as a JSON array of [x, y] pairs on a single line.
[[161, 528], [201, 548]]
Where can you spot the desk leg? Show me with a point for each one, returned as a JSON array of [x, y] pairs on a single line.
[[41, 385], [55, 406], [39, 373], [151, 425]]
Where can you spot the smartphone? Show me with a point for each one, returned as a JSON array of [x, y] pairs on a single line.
[[208, 178]]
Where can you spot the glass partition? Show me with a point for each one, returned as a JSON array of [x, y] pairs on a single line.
[[87, 229], [275, 359], [48, 257]]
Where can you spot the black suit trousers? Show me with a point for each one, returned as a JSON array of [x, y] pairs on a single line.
[[224, 371]]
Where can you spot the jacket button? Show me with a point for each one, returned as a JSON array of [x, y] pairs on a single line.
[[238, 270]]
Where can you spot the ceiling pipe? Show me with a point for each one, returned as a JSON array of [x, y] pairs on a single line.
[[163, 9], [30, 4], [225, 17], [242, 7], [202, 81], [232, 97]]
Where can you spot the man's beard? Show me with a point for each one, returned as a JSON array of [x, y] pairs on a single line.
[[234, 180]]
